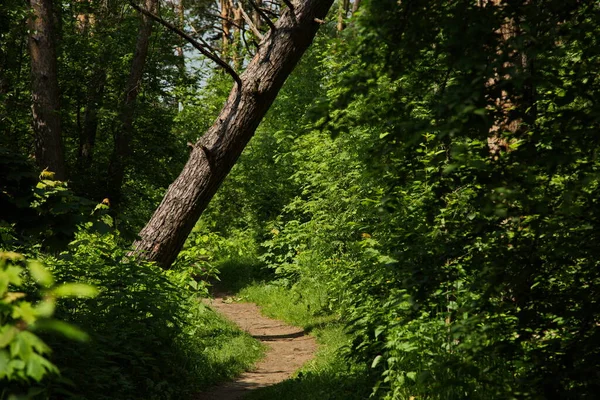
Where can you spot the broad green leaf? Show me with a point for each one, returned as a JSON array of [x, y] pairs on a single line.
[[75, 290], [35, 369], [45, 308], [40, 273], [376, 361], [35, 342], [4, 359], [64, 328], [7, 334]]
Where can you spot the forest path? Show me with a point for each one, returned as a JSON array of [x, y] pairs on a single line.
[[288, 348]]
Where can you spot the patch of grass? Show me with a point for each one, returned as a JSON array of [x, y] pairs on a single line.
[[303, 308], [229, 351]]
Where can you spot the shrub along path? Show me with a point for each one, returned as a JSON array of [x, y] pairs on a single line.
[[289, 348]]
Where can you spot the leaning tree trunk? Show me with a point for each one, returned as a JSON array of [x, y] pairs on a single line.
[[44, 89], [123, 136], [216, 152]]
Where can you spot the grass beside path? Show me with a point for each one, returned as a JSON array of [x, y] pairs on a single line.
[[229, 351], [329, 376]]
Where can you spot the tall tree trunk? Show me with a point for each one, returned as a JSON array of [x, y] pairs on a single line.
[[44, 89], [256, 18], [342, 14], [355, 6], [123, 136], [181, 23], [216, 152], [87, 137], [226, 27], [506, 102], [238, 20], [87, 25]]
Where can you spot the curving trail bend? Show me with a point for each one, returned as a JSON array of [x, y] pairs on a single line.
[[289, 348]]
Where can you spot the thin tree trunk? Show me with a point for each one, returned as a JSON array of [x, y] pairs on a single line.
[[87, 24], [44, 89], [505, 101], [256, 15], [355, 6], [238, 21], [181, 18], [87, 138], [226, 26], [216, 152], [342, 14], [123, 136]]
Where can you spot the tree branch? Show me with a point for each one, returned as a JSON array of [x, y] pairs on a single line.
[[263, 15], [202, 48], [289, 4], [248, 20], [224, 19]]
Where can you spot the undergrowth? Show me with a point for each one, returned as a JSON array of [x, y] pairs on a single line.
[[147, 335]]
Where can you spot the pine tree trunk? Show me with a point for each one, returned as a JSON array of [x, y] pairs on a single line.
[[256, 18], [216, 152], [122, 144], [226, 28], [238, 46], [44, 89], [343, 14]]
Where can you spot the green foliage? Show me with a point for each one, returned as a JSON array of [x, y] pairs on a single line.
[[24, 356], [149, 338], [134, 297], [429, 176], [440, 192], [40, 210], [481, 295]]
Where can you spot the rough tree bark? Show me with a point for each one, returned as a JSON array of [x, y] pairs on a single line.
[[213, 156], [123, 136], [506, 102], [44, 89]]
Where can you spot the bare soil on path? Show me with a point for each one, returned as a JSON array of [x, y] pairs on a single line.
[[289, 348]]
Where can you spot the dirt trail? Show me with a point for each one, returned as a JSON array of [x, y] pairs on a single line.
[[288, 349]]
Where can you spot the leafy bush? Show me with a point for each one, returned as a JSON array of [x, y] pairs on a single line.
[[443, 195], [142, 324], [24, 357]]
